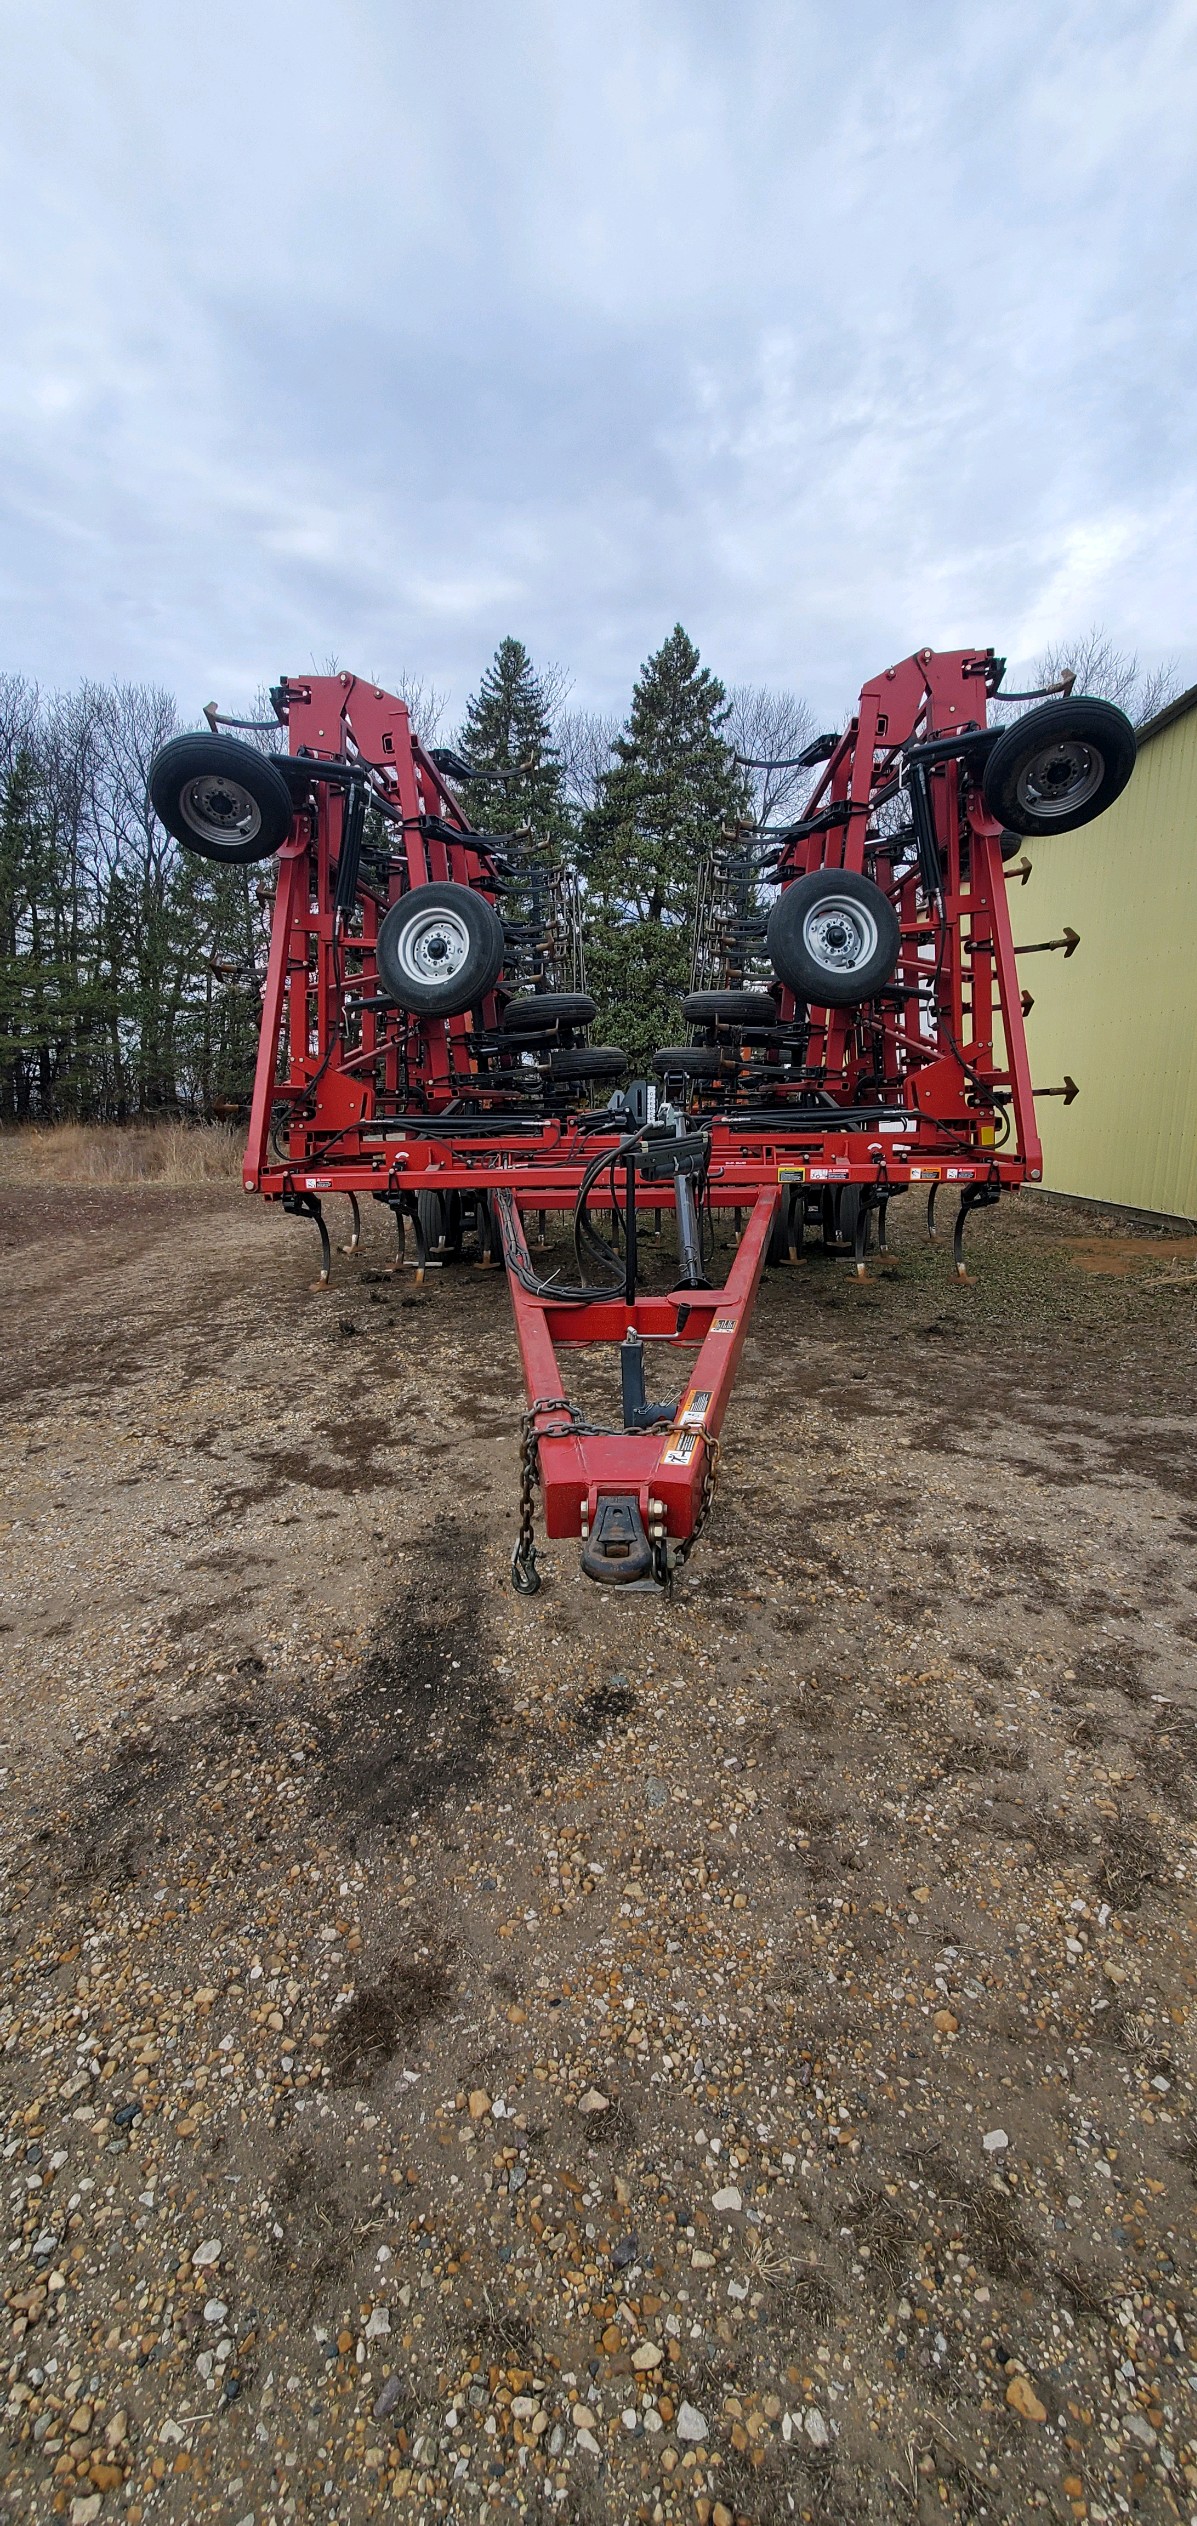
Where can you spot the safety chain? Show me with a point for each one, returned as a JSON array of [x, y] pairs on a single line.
[[712, 1451], [525, 1577]]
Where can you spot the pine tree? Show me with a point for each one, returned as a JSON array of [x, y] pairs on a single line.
[[673, 786], [45, 1003], [508, 724]]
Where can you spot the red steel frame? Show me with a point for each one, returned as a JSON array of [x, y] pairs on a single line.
[[356, 1098]]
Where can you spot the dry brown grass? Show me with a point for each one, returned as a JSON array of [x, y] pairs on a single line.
[[122, 1153]]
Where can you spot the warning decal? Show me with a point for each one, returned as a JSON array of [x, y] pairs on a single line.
[[694, 1410], [681, 1448], [725, 1324], [791, 1175]]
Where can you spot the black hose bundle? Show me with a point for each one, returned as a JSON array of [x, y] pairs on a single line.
[[592, 1250]]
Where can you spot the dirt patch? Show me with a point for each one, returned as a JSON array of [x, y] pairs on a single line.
[[856, 1878], [384, 2014], [1115, 1257], [1131, 1861]]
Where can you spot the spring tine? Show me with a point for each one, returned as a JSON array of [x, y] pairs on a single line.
[[862, 1229], [413, 1212]]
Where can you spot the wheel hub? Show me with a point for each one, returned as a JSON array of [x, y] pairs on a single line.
[[1062, 777], [839, 936], [219, 809], [434, 947]]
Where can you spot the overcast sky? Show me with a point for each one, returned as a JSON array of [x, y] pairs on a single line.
[[379, 328]]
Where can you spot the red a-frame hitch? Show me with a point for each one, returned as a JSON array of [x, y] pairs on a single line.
[[639, 1496]]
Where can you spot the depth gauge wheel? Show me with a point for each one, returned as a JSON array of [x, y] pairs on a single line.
[[847, 1215], [546, 1009], [220, 799], [833, 938], [687, 1061], [440, 1219], [1059, 766], [589, 1061], [440, 950], [729, 1008]]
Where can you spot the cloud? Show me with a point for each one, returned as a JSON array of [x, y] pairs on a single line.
[[384, 330]]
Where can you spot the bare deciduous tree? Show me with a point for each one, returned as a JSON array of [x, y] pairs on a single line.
[[769, 728], [585, 741], [1101, 668], [426, 704]]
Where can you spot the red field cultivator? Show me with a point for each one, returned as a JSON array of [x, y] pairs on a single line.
[[856, 1032]]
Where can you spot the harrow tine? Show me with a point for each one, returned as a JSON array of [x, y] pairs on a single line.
[[489, 1250], [412, 1207], [962, 1271], [973, 1197], [858, 1244], [309, 1206], [355, 1234], [932, 1230]]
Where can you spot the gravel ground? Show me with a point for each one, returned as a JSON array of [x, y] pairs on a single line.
[[717, 2059]]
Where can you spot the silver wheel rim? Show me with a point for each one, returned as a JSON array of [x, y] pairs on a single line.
[[1060, 778], [432, 947], [218, 809], [839, 934]]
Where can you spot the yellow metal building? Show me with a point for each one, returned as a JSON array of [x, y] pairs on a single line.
[[1120, 1014]]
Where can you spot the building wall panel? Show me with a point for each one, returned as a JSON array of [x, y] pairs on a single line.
[[1121, 1014]]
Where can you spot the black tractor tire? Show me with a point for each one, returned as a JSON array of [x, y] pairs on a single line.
[[545, 1011], [687, 1061], [729, 1008], [440, 926], [486, 1229], [589, 1061], [440, 1219], [833, 938], [221, 799], [1059, 766], [779, 1234], [847, 1214]]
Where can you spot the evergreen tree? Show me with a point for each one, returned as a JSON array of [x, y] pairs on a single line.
[[508, 725], [46, 1003], [672, 787]]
